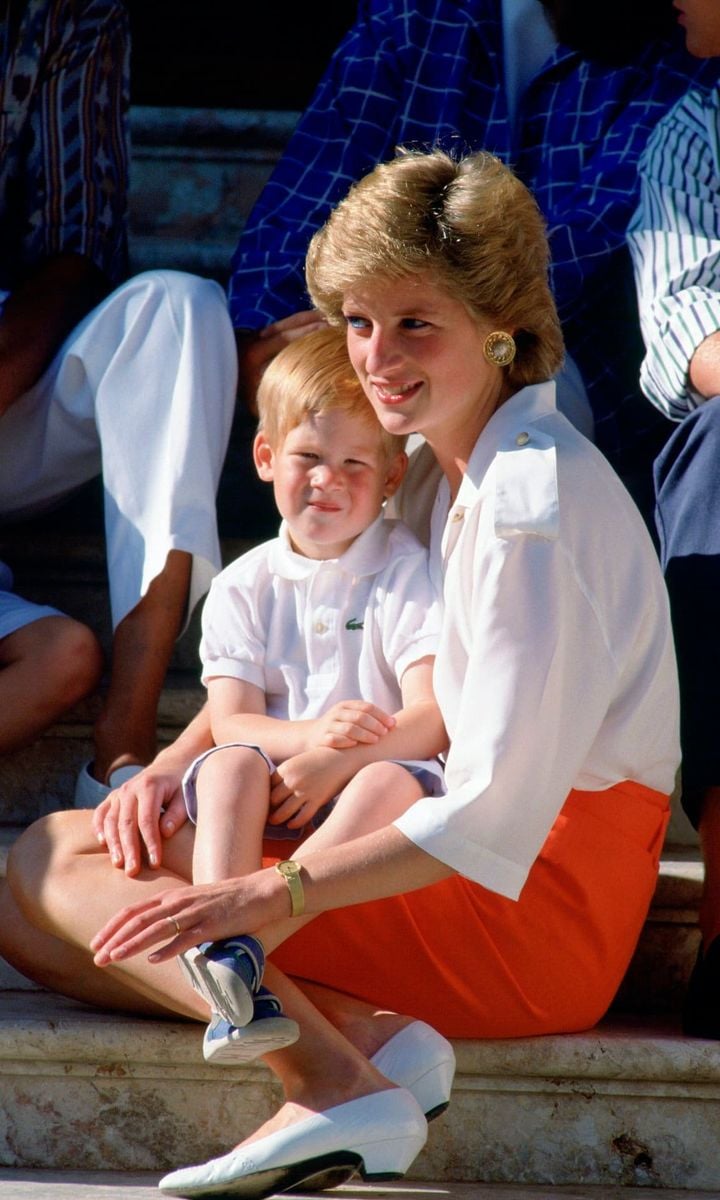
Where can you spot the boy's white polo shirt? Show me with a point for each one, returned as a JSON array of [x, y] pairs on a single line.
[[555, 668], [312, 632]]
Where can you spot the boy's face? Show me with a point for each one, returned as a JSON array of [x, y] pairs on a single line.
[[418, 354], [330, 476], [701, 21]]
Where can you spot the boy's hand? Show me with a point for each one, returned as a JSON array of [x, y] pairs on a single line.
[[348, 723], [303, 783]]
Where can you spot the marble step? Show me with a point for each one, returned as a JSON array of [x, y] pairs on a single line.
[[631, 1103], [22, 1184], [195, 174]]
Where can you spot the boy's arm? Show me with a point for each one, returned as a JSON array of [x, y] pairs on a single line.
[[307, 781], [238, 714]]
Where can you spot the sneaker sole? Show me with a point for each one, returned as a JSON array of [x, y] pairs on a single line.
[[257, 1038], [220, 988]]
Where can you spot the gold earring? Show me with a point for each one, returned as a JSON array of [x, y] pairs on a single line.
[[500, 349]]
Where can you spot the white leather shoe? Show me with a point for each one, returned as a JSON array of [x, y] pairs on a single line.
[[423, 1061], [377, 1135]]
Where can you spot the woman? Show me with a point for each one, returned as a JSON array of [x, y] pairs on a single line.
[[512, 905]]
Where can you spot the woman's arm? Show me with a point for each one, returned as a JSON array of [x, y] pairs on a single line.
[[381, 864]]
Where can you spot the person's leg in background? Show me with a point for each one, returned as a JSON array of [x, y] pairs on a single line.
[[687, 479], [143, 390]]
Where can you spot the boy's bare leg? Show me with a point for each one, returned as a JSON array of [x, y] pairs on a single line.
[[143, 643], [45, 668], [233, 793], [375, 797]]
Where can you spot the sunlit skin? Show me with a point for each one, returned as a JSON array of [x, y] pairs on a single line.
[[701, 21], [330, 476], [418, 353]]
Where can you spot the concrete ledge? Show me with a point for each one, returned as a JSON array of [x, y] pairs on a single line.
[[631, 1103]]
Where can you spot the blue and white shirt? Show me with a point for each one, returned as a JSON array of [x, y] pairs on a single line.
[[423, 72], [63, 137], [675, 243]]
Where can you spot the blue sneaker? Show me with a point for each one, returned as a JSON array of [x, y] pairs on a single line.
[[227, 974], [227, 1045]]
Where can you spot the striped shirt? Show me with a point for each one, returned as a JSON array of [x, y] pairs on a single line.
[[675, 243], [63, 138], [421, 72]]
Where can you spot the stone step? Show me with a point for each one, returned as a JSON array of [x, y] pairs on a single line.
[[142, 1185], [195, 174], [631, 1103]]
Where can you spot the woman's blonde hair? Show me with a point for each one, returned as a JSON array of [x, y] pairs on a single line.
[[468, 223], [312, 375]]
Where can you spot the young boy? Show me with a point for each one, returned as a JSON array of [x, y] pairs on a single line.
[[311, 644]]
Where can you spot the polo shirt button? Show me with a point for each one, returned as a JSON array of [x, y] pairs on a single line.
[[320, 628], [458, 515], [522, 439]]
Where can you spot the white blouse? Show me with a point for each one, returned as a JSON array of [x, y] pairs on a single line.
[[555, 668]]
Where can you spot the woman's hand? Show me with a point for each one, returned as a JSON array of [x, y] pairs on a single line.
[[302, 784], [201, 912], [349, 723], [135, 818]]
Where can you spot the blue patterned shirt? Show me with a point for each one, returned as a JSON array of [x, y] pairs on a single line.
[[63, 139], [675, 242], [426, 72]]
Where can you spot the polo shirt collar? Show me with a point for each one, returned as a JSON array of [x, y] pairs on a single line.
[[369, 554]]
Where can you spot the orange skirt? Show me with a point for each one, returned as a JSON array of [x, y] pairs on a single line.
[[475, 964]]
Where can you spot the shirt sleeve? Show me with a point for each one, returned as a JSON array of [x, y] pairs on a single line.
[[524, 685], [589, 191], [77, 167], [346, 128], [675, 244], [409, 608], [230, 645]]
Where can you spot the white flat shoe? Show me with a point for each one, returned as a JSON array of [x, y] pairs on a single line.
[[423, 1061], [377, 1135]]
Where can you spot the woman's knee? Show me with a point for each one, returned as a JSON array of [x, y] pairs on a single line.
[[45, 852]]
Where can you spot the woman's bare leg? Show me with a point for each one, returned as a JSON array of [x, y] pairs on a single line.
[[56, 965], [318, 1071], [65, 889]]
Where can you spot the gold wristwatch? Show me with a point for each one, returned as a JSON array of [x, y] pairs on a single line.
[[290, 872]]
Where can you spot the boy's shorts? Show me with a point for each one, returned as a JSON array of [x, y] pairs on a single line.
[[14, 610], [429, 773]]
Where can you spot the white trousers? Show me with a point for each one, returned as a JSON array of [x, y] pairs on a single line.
[[142, 392]]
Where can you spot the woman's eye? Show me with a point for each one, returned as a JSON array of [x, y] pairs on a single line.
[[414, 323], [356, 322]]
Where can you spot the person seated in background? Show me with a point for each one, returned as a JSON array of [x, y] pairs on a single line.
[[48, 662], [675, 242], [137, 383], [565, 93]]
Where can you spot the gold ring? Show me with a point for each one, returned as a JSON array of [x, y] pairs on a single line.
[[172, 921]]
